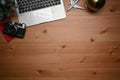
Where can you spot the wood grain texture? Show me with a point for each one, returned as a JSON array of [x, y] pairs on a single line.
[[84, 46]]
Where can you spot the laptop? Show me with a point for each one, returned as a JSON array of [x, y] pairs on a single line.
[[32, 12]]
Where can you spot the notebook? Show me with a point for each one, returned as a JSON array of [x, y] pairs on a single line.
[[32, 12]]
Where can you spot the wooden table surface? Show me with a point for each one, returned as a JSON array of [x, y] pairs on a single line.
[[84, 46]]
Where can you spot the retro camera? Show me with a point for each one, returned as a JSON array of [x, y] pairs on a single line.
[[14, 29]]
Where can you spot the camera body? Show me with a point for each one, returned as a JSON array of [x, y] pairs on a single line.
[[14, 29]]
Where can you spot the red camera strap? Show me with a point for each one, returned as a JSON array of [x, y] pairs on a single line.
[[7, 37]]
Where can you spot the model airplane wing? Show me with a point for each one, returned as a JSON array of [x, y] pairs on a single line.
[[75, 6], [78, 7]]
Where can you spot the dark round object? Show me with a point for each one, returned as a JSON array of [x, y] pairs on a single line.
[[95, 5], [12, 29]]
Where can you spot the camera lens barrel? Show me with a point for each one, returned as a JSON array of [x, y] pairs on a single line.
[[12, 29]]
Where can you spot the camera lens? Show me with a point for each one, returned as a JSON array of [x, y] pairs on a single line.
[[12, 29]]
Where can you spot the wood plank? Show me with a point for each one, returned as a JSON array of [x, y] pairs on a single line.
[[57, 78], [70, 48], [89, 72]]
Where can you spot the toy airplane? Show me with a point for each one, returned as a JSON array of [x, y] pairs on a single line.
[[73, 4]]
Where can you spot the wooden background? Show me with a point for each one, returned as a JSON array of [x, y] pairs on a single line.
[[84, 46]]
